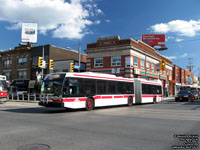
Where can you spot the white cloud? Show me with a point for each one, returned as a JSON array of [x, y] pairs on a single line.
[[62, 19], [107, 20], [97, 22], [171, 57], [177, 57], [184, 55], [170, 37], [178, 40], [183, 28]]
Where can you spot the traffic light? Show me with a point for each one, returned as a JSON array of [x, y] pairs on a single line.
[[51, 64], [71, 67], [162, 65], [40, 60]]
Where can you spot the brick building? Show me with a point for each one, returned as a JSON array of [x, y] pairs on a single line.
[[128, 58], [182, 77], [22, 62]]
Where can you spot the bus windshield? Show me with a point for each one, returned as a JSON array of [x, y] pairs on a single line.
[[52, 84], [3, 86]]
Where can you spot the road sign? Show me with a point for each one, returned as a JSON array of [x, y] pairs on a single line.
[[76, 67]]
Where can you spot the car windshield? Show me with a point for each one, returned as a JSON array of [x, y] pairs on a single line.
[[194, 92], [52, 84], [184, 92]]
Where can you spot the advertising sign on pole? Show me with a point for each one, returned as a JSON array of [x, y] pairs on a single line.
[[154, 39], [29, 33]]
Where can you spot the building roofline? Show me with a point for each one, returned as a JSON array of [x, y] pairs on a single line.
[[67, 49]]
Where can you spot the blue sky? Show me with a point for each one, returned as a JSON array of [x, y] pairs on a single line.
[[64, 22]]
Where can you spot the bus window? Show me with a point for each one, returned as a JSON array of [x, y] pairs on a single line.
[[122, 89], [87, 87], [158, 89], [80, 87], [130, 89], [101, 87], [111, 87], [73, 87], [151, 89]]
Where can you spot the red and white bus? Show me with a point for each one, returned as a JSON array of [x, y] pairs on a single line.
[[3, 89], [89, 90]]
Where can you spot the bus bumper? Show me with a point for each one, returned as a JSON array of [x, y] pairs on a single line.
[[51, 104]]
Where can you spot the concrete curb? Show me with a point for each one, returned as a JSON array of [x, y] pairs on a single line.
[[168, 98]]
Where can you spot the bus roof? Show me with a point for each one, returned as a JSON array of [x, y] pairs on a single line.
[[156, 82], [94, 75], [104, 76]]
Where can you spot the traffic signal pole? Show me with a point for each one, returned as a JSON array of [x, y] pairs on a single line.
[[43, 60], [79, 56]]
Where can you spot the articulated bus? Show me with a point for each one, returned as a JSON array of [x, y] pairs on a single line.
[[90, 90], [3, 89]]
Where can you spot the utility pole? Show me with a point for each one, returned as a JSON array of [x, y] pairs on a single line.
[[199, 76], [190, 67], [79, 56], [145, 66], [43, 60]]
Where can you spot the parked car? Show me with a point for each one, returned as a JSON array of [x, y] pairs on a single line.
[[184, 95], [196, 94]]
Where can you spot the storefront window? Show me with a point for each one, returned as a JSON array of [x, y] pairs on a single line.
[[116, 61], [22, 61], [135, 61], [152, 68], [148, 65], [142, 63], [21, 74], [98, 62]]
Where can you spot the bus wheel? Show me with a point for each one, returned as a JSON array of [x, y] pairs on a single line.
[[130, 101], [154, 100], [89, 104]]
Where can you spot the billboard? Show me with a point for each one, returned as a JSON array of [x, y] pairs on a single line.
[[154, 40], [29, 32]]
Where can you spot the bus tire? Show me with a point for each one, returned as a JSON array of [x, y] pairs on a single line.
[[154, 100], [130, 101], [89, 104]]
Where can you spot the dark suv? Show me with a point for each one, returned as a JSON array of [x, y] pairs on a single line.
[[183, 96]]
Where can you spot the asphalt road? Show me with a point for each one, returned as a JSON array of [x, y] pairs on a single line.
[[27, 126]]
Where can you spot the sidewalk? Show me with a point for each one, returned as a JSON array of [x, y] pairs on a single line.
[[19, 103], [169, 98]]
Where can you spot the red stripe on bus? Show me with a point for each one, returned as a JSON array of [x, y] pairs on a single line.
[[82, 99], [69, 100], [55, 100], [106, 97], [126, 96], [97, 97], [147, 95], [81, 75], [118, 96]]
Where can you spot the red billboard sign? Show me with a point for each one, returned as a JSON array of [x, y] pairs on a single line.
[[154, 39]]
